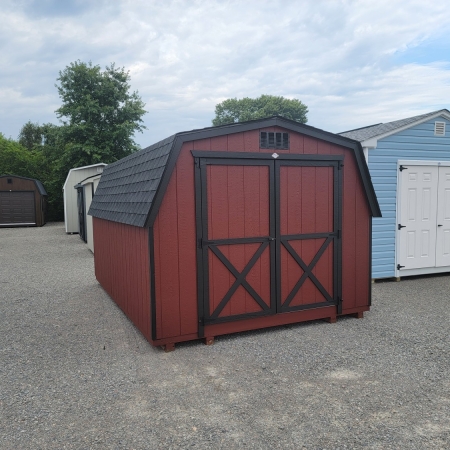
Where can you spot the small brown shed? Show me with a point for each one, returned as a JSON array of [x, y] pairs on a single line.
[[23, 202], [234, 228]]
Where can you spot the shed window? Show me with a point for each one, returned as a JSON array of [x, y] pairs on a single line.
[[269, 139], [9, 180], [439, 128]]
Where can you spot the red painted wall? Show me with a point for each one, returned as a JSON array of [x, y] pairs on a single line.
[[122, 268], [175, 232]]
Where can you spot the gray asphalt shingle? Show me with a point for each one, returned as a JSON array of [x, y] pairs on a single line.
[[362, 134]]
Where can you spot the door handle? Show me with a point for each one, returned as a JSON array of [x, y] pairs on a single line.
[[439, 225]]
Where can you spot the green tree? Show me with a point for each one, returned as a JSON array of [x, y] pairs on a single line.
[[30, 135], [42, 162], [15, 159], [99, 117], [99, 114], [234, 110]]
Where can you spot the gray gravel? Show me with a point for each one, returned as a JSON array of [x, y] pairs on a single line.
[[75, 373]]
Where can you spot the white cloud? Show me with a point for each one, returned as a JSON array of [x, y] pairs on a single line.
[[186, 56]]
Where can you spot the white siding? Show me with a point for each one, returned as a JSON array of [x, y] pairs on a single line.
[[90, 186], [70, 194]]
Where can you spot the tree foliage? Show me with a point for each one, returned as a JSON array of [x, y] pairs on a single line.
[[30, 135], [99, 117], [99, 114], [234, 110], [15, 159]]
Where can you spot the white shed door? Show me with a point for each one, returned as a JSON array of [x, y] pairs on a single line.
[[443, 218], [418, 213]]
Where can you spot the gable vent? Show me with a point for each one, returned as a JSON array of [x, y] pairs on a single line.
[[439, 128], [268, 139]]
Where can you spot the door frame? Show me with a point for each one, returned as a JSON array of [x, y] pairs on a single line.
[[336, 164], [421, 271], [81, 210], [274, 160]]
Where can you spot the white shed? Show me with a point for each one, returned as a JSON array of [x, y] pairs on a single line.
[[74, 177], [85, 193]]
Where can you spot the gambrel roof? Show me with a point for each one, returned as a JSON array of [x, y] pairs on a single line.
[[39, 185], [100, 166], [131, 189]]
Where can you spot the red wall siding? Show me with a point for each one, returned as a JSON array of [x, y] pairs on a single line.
[[175, 234], [122, 268]]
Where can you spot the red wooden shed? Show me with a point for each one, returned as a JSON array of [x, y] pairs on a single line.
[[234, 228]]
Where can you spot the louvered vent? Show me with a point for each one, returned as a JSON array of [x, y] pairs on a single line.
[[439, 128], [269, 139]]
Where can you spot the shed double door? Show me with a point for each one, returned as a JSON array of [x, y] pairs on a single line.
[[424, 217], [268, 236]]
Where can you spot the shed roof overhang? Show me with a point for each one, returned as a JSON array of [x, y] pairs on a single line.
[[279, 121], [372, 142], [118, 201], [81, 168], [38, 183]]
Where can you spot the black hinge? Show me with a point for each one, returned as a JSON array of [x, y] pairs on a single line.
[[340, 166], [402, 168], [400, 226], [399, 267]]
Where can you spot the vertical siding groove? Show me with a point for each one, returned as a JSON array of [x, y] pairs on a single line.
[[117, 265], [120, 246]]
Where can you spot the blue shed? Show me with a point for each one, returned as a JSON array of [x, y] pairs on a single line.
[[409, 162]]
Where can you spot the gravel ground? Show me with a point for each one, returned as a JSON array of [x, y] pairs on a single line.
[[75, 373]]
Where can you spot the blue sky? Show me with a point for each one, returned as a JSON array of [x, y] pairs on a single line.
[[353, 63]]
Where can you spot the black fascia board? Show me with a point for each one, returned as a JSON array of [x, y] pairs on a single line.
[[90, 176], [205, 133]]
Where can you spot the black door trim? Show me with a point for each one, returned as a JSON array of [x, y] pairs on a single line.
[[205, 315], [265, 156], [335, 236], [81, 212], [275, 240]]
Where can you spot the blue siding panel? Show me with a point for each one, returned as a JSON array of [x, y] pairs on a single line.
[[416, 143], [381, 248], [382, 241]]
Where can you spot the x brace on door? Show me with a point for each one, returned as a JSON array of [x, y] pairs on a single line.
[[307, 271], [211, 312], [240, 279]]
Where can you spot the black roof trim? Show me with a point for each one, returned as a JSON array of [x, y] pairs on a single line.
[[132, 189], [39, 185], [87, 178], [240, 127]]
